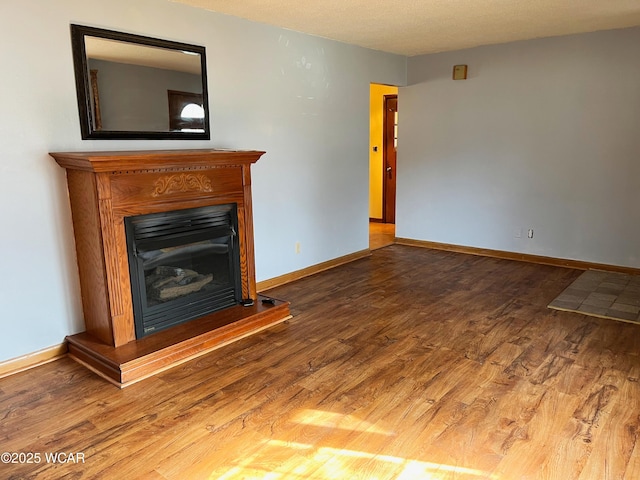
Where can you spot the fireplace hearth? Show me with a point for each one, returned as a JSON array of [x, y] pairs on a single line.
[[164, 242]]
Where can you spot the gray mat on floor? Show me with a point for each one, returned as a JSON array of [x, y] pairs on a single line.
[[602, 294]]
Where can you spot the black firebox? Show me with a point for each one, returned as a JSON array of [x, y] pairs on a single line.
[[183, 264]]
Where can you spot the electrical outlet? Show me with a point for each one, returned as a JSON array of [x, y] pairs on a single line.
[[297, 248], [530, 233]]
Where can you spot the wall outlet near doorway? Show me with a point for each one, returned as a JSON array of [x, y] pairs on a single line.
[[530, 233], [297, 248]]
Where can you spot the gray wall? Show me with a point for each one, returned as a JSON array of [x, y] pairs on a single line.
[[542, 135], [303, 99]]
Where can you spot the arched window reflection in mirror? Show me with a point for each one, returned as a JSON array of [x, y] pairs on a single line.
[[192, 113], [186, 112]]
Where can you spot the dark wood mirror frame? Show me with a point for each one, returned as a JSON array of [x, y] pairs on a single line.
[[86, 84]]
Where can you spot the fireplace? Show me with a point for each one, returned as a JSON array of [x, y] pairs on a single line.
[[183, 264], [164, 242]]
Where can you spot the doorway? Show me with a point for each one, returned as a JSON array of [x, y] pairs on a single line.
[[382, 164]]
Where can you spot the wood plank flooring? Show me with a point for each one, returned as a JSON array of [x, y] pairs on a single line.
[[381, 235], [409, 364]]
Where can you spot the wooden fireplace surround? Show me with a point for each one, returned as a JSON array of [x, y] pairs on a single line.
[[106, 187]]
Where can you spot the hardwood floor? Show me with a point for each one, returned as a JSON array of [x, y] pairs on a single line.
[[408, 364], [381, 235]]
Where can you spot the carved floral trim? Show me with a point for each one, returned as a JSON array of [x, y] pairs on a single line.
[[181, 182]]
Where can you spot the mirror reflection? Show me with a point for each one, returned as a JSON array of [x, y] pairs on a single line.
[[138, 87]]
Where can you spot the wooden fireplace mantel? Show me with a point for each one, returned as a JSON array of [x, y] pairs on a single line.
[[106, 187]]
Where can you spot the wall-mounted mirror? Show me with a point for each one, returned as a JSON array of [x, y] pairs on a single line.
[[134, 87]]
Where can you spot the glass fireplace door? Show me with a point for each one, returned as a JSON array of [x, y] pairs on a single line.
[[183, 265]]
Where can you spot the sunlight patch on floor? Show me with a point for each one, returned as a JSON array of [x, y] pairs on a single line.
[[309, 462], [320, 418]]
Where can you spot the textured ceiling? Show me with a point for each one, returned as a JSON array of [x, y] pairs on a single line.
[[415, 27], [124, 52]]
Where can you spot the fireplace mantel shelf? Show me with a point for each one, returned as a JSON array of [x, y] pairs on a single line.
[[110, 161], [106, 187]]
